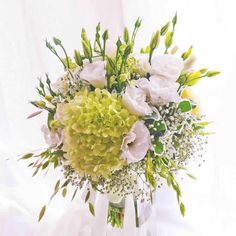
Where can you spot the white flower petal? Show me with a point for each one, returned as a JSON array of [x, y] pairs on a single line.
[[167, 66], [134, 99], [95, 74], [142, 65], [137, 142], [159, 91]]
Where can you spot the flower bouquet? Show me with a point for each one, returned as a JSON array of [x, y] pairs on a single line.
[[121, 123]]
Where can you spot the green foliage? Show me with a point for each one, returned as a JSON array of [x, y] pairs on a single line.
[[115, 216], [42, 212], [149, 172], [185, 106], [158, 147], [91, 209]]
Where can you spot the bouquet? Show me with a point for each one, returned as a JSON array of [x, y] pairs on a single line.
[[121, 123]]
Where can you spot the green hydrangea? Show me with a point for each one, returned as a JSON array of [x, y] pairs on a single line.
[[94, 126]]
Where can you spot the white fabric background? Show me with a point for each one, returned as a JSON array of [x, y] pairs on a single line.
[[24, 24]]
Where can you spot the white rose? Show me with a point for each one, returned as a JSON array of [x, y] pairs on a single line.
[[136, 143], [134, 99], [167, 67], [95, 74], [142, 65], [159, 91]]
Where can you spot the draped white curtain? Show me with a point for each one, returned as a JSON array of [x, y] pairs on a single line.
[[24, 24]]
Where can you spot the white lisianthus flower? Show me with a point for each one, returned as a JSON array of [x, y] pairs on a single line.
[[159, 91], [142, 65], [136, 143], [95, 74], [167, 67], [53, 139], [134, 99]]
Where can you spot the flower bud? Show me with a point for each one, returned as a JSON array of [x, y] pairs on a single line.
[[48, 98], [57, 41], [186, 54], [212, 73], [174, 20], [126, 35], [155, 40], [165, 28], [78, 58], [105, 35], [168, 39], [40, 104], [86, 50], [204, 70]]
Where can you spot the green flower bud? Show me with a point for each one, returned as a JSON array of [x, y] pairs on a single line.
[[174, 20], [126, 35], [57, 41], [168, 39], [204, 70], [78, 58], [86, 49], [155, 40], [138, 23], [212, 73], [84, 35], [105, 35], [165, 28], [40, 104], [118, 43], [186, 54]]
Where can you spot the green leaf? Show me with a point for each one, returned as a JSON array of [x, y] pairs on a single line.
[[36, 171], [152, 180], [159, 126], [87, 196], [56, 188], [42, 212], [74, 194], [191, 176], [64, 192], [185, 106], [182, 209], [158, 147], [27, 156], [45, 165], [65, 183], [169, 180], [91, 209]]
